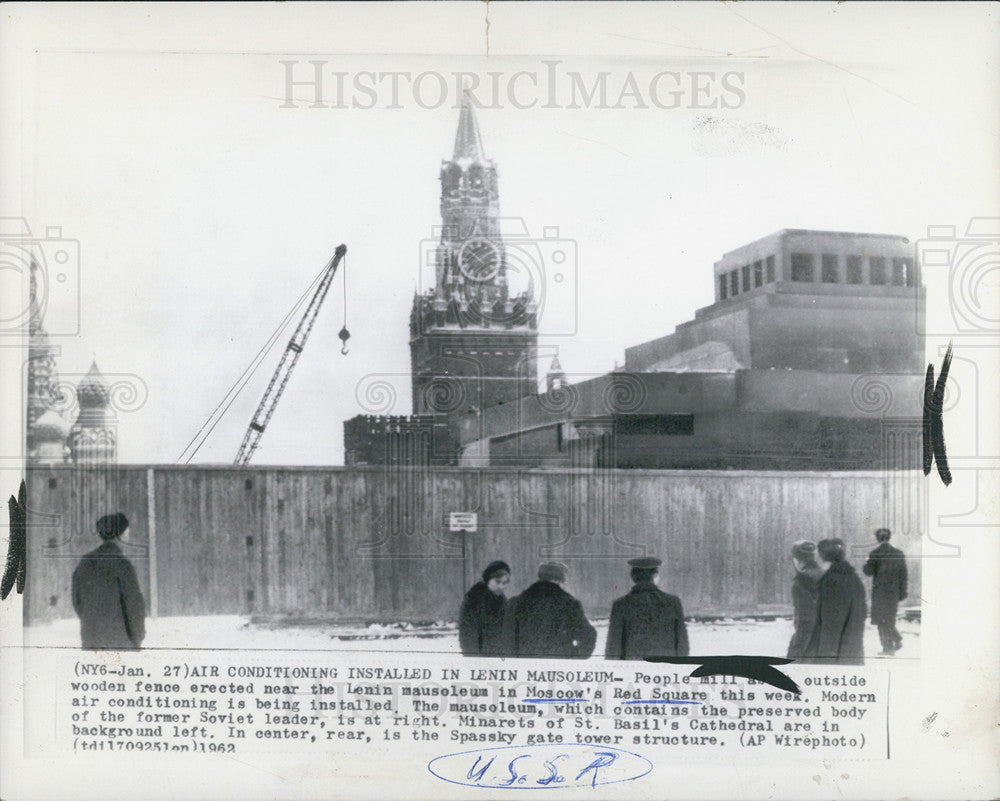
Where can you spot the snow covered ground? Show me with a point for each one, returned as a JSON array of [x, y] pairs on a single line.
[[744, 636]]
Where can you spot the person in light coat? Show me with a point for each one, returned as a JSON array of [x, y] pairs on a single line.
[[805, 592]]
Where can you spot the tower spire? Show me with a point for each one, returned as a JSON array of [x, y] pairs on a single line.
[[34, 308], [468, 142], [43, 378]]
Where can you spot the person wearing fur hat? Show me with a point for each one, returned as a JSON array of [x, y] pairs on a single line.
[[804, 595], [841, 610], [106, 594], [481, 618], [546, 621], [647, 621]]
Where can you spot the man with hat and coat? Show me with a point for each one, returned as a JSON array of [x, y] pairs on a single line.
[[647, 621], [887, 567], [545, 621], [841, 609], [106, 594]]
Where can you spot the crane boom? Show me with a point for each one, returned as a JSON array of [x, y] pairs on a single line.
[[289, 358]]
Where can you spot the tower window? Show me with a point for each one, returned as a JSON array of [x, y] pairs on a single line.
[[902, 272], [452, 177], [769, 268], [746, 277], [877, 265], [854, 275], [722, 287], [802, 267], [830, 269], [734, 283], [654, 425], [758, 274]]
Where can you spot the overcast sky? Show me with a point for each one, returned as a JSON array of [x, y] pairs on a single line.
[[204, 208]]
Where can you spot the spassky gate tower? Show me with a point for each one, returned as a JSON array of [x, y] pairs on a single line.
[[473, 339]]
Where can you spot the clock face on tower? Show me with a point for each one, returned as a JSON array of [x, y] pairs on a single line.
[[479, 260]]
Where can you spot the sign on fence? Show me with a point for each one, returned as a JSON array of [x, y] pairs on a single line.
[[463, 521]]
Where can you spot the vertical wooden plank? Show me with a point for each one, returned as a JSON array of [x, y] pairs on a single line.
[[266, 539], [154, 586], [254, 494]]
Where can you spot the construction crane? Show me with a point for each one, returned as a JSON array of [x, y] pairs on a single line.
[[279, 380]]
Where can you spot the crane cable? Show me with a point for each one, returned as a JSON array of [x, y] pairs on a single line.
[[344, 333], [240, 384]]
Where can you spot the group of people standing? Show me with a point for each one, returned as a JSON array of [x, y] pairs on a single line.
[[545, 621], [829, 600]]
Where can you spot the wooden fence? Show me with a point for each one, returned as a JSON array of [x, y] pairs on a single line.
[[372, 544]]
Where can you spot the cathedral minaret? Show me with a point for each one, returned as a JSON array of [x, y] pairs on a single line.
[[46, 429], [472, 341], [93, 437]]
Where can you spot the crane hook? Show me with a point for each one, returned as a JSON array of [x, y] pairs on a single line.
[[344, 336]]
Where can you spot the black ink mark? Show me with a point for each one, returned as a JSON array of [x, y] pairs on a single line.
[[758, 668], [934, 450], [17, 552]]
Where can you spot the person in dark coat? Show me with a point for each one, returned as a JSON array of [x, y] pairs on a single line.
[[106, 594], [647, 621], [546, 621], [887, 567], [841, 609], [804, 596], [480, 624]]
